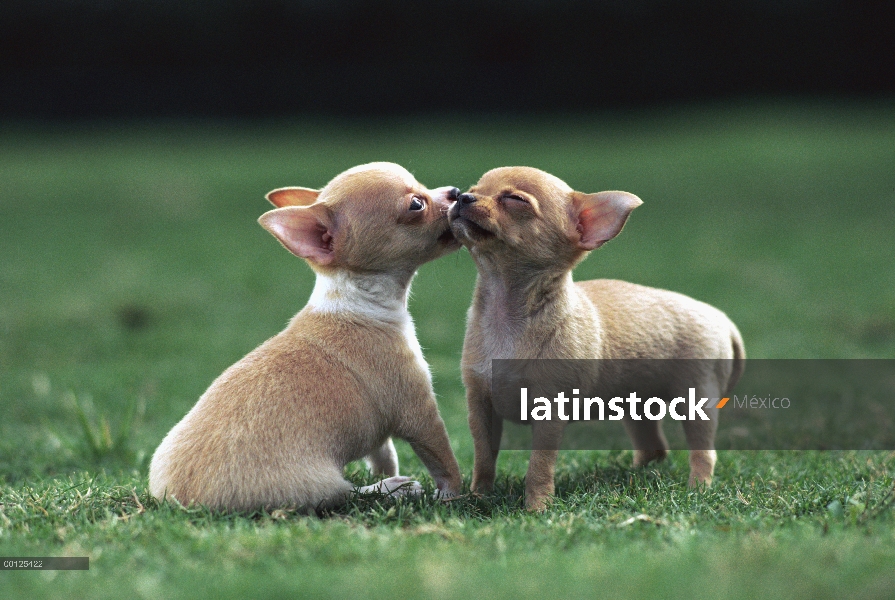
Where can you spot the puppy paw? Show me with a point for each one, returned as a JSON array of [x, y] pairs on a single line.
[[644, 457], [394, 487], [482, 485], [702, 466], [697, 480], [536, 505]]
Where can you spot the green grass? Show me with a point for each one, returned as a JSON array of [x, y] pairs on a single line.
[[132, 272]]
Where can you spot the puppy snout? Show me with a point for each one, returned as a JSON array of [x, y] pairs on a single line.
[[453, 193], [466, 199]]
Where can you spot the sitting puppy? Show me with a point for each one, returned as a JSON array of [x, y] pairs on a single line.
[[526, 230], [278, 427]]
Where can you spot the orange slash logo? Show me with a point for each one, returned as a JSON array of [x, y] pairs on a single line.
[[717, 403]]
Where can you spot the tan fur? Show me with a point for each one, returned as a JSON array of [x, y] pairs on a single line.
[[277, 428], [526, 230]]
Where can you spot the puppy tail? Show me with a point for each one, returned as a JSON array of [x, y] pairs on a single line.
[[739, 358]]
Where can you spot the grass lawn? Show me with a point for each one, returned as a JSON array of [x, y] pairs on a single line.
[[132, 272]]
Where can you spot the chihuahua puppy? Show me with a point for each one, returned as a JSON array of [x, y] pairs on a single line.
[[277, 428], [526, 230]]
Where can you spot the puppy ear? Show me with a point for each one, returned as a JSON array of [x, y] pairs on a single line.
[[292, 196], [305, 231], [600, 217]]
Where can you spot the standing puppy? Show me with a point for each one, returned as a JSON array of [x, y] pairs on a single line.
[[278, 427], [526, 230]]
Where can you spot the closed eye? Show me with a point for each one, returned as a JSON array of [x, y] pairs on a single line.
[[417, 203], [516, 197]]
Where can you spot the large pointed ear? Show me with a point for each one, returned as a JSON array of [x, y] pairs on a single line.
[[601, 216], [305, 231], [292, 196]]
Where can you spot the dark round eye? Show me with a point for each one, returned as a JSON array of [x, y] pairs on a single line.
[[417, 203]]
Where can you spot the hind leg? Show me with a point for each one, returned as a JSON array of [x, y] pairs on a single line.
[[649, 441], [701, 439], [383, 460]]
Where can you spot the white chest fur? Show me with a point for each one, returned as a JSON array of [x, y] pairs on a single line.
[[382, 298]]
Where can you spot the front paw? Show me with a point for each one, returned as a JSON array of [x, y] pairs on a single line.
[[482, 484], [536, 504]]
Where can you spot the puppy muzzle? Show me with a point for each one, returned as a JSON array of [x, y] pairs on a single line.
[[457, 208]]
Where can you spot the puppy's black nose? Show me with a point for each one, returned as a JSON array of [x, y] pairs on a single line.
[[453, 193], [466, 199]]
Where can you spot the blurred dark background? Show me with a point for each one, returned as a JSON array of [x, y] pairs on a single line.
[[129, 58]]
